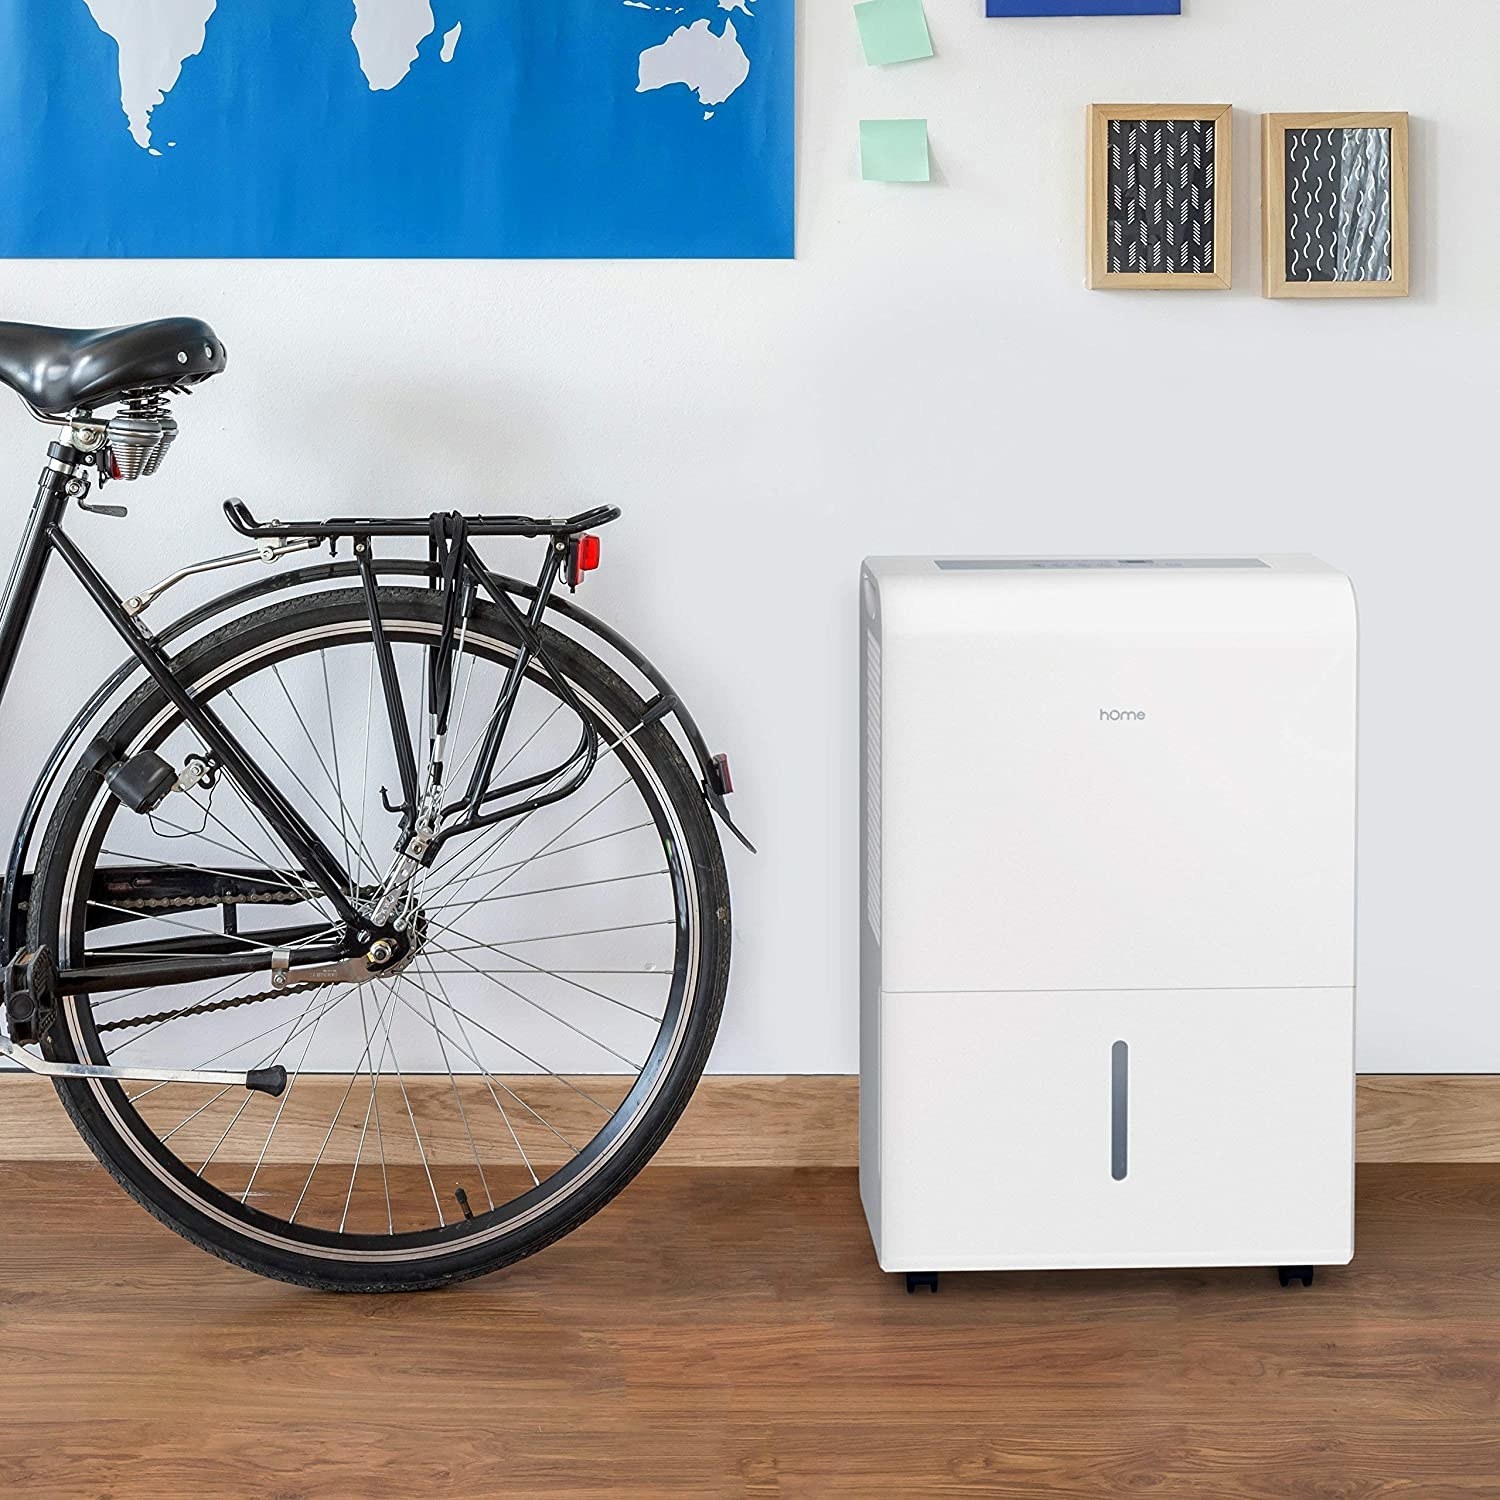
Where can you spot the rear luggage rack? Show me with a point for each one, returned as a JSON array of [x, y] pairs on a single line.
[[524, 526]]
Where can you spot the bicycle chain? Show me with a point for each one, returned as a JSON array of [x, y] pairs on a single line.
[[178, 903], [204, 1007]]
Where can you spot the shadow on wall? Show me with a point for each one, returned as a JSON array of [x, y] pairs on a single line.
[[411, 446]]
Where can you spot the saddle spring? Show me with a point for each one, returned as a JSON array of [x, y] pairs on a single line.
[[138, 437]]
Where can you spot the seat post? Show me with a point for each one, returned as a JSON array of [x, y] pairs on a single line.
[[52, 493]]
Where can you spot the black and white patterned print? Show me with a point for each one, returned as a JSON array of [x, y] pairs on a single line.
[[1338, 205], [1161, 196]]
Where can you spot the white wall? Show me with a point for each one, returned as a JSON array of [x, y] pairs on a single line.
[[929, 374]]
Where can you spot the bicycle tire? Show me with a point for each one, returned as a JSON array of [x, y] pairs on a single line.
[[146, 1169]]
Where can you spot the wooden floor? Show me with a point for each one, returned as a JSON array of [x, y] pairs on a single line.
[[728, 1333]]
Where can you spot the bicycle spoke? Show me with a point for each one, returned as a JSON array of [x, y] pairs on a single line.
[[465, 1049], [114, 999], [463, 1114], [312, 894], [475, 969], [552, 937], [234, 1120], [233, 1047], [210, 816], [312, 743], [282, 1103], [546, 890], [521, 822], [365, 772], [498, 774], [500, 834], [456, 723], [406, 1099], [567, 1083], [537, 1005], [367, 859], [270, 1058], [338, 785], [307, 894], [561, 974], [167, 1136], [548, 854], [374, 1105], [525, 818], [312, 1172], [155, 916], [256, 817], [156, 1026]]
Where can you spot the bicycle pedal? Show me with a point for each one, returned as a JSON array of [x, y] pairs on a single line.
[[30, 995]]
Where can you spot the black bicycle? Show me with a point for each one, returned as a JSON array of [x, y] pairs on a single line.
[[370, 919]]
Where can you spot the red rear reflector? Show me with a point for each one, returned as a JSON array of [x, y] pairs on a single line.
[[721, 773], [583, 557]]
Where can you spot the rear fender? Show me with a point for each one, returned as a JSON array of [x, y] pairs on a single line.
[[13, 900]]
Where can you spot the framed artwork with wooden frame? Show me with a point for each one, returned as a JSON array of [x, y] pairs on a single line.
[[1335, 205], [1159, 196]]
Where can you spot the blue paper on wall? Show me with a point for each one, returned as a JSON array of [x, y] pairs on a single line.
[[363, 128], [1084, 7]]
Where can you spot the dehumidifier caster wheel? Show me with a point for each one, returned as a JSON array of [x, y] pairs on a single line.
[[914, 1279], [1286, 1275]]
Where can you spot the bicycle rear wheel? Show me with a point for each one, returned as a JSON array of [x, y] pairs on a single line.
[[445, 1120]]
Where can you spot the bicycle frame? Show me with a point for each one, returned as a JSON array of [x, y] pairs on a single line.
[[455, 567]]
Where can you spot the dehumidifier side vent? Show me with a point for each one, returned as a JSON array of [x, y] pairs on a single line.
[[872, 782]]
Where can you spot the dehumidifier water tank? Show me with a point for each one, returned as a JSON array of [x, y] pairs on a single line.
[[1107, 914]]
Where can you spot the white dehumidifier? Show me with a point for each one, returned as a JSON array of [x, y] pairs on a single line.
[[1107, 915]]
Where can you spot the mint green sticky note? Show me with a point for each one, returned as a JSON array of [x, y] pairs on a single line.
[[893, 151], [893, 31]]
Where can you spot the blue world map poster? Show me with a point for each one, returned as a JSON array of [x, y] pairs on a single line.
[[462, 128]]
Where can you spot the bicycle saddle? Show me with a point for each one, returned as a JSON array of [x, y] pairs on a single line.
[[60, 369]]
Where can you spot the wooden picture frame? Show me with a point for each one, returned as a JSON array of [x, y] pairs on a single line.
[[995, 8], [1353, 245], [1159, 212]]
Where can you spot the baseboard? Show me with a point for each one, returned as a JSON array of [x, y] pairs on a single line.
[[1429, 1117], [812, 1121]]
